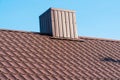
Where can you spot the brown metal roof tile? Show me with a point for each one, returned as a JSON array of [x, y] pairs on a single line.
[[4, 70], [14, 64], [35, 77], [19, 77], [31, 56], [10, 76], [27, 77], [2, 76], [6, 64], [20, 70]]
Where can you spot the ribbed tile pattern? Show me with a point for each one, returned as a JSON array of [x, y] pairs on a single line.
[[31, 56]]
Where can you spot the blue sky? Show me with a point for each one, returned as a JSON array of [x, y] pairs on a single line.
[[95, 18]]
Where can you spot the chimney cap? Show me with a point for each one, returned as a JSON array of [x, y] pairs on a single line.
[[62, 9]]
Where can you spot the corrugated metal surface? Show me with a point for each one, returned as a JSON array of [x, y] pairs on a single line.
[[74, 24], [59, 23], [45, 23], [53, 23], [63, 24], [67, 25], [56, 23]]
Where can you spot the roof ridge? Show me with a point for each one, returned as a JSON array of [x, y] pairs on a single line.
[[101, 39], [81, 38], [22, 31]]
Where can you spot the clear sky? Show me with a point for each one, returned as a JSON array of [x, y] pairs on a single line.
[[95, 18]]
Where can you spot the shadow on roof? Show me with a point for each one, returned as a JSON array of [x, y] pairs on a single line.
[[41, 33], [109, 59]]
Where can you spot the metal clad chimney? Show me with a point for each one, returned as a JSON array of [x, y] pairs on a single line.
[[59, 23]]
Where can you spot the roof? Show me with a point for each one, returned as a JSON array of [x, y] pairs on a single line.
[[32, 56]]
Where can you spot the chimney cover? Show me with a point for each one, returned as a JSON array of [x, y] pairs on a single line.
[[59, 23]]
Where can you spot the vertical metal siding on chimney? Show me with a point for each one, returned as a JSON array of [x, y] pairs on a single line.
[[59, 23], [45, 23]]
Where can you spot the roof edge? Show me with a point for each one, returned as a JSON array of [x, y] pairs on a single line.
[[101, 39], [80, 38], [22, 31]]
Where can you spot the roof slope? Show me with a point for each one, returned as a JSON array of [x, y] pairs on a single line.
[[30, 56]]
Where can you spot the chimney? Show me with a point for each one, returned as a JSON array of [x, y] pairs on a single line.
[[58, 23]]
